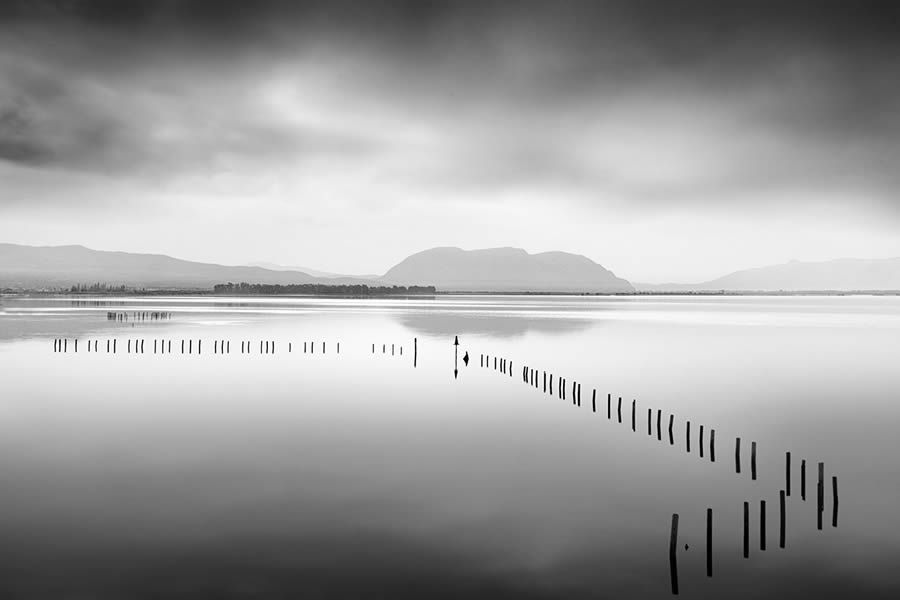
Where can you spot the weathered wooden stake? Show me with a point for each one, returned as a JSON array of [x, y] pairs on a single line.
[[709, 525], [787, 473], [834, 498], [700, 445], [781, 511], [753, 460], [619, 410], [594, 401], [746, 530], [737, 455], [671, 434], [659, 425], [633, 415], [673, 559], [762, 524], [712, 445], [687, 436], [803, 479], [820, 495]]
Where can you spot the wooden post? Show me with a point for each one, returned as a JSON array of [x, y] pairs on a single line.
[[415, 351], [709, 564], [712, 445], [620, 409], [820, 495], [834, 498], [762, 524], [787, 473], [746, 530], [700, 445], [753, 460], [673, 559], [671, 435], [781, 511], [687, 436], [609, 406], [633, 415], [545, 382], [551, 384], [737, 455], [594, 401], [649, 421], [659, 424], [803, 479]]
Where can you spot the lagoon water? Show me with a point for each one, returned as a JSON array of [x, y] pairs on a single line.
[[362, 475]]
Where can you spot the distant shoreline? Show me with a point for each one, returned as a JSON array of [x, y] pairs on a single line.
[[213, 294]]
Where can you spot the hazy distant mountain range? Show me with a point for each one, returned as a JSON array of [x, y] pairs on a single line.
[[37, 267], [846, 274], [448, 269]]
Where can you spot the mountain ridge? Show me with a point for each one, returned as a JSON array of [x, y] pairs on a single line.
[[839, 274], [505, 269]]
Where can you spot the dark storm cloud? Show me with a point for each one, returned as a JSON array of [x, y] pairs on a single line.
[[785, 95]]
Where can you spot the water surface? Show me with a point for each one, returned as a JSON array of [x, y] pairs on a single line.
[[360, 474]]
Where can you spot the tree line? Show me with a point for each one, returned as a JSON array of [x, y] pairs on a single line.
[[316, 289]]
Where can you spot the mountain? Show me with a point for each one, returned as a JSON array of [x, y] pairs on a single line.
[[308, 271], [846, 274], [35, 267], [504, 270]]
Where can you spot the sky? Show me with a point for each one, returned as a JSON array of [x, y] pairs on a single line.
[[668, 141]]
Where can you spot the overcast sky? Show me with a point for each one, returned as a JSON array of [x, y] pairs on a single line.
[[668, 141]]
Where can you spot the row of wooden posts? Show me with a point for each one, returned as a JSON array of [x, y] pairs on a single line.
[[545, 381], [783, 494], [161, 346], [397, 350], [138, 316]]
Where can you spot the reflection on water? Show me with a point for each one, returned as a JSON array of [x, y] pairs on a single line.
[[340, 475]]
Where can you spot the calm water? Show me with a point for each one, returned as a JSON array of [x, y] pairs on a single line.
[[360, 475]]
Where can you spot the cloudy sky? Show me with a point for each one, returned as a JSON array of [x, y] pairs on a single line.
[[669, 141]]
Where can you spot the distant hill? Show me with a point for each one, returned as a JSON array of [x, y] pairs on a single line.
[[36, 267], [504, 270], [309, 271], [846, 274]]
